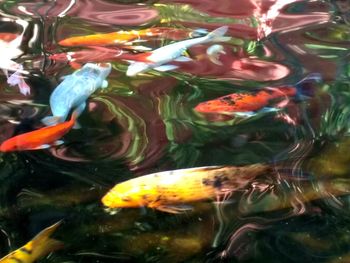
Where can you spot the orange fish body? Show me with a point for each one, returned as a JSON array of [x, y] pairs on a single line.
[[38, 139], [165, 190], [246, 102], [121, 37]]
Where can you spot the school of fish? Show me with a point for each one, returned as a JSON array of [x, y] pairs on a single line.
[[166, 191]]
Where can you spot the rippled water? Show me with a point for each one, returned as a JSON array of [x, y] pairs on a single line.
[[147, 123]]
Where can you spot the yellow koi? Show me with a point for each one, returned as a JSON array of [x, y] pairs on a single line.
[[38, 247], [166, 190]]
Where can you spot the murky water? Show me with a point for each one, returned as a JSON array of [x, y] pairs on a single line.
[[149, 123]]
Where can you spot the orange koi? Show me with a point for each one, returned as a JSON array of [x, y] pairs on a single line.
[[240, 103], [165, 191], [38, 139], [122, 37]]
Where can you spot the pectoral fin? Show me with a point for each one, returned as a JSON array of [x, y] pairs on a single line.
[[166, 68], [76, 125], [58, 142], [183, 59], [104, 84], [42, 147]]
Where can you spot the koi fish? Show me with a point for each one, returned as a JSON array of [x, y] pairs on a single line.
[[248, 104], [165, 191], [72, 93], [158, 58], [94, 54], [39, 139], [123, 37], [38, 247]]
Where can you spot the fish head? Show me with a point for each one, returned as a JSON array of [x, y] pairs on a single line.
[[8, 146], [136, 68], [125, 195]]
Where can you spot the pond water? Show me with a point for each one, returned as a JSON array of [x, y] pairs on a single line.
[[153, 122]]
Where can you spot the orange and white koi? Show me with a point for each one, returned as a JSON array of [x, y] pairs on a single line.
[[38, 247], [124, 37], [165, 191], [39, 139]]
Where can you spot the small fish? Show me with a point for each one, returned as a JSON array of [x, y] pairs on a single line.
[[158, 58], [39, 139], [248, 104], [75, 89], [123, 37], [38, 247], [166, 191]]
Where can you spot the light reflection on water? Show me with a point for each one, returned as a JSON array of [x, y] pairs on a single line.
[[147, 124]]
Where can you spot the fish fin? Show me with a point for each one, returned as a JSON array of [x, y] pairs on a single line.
[[104, 84], [183, 59], [214, 58], [174, 209], [79, 110], [41, 147], [137, 48], [24, 87], [269, 109], [52, 120], [244, 114], [77, 125], [14, 79], [136, 68], [218, 34], [304, 90], [42, 244], [166, 68], [58, 142], [199, 32]]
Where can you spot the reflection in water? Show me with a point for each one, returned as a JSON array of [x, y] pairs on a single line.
[[298, 212]]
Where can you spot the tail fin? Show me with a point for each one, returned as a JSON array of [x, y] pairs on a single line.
[[304, 86], [218, 35], [42, 244], [16, 79]]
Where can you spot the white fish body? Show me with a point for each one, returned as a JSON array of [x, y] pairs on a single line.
[[161, 56]]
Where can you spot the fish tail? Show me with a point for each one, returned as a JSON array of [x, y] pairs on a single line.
[[218, 35], [304, 86], [42, 244]]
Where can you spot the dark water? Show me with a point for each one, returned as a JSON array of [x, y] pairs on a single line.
[[145, 124]]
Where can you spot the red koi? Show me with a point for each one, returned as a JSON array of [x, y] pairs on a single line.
[[38, 139], [97, 54]]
